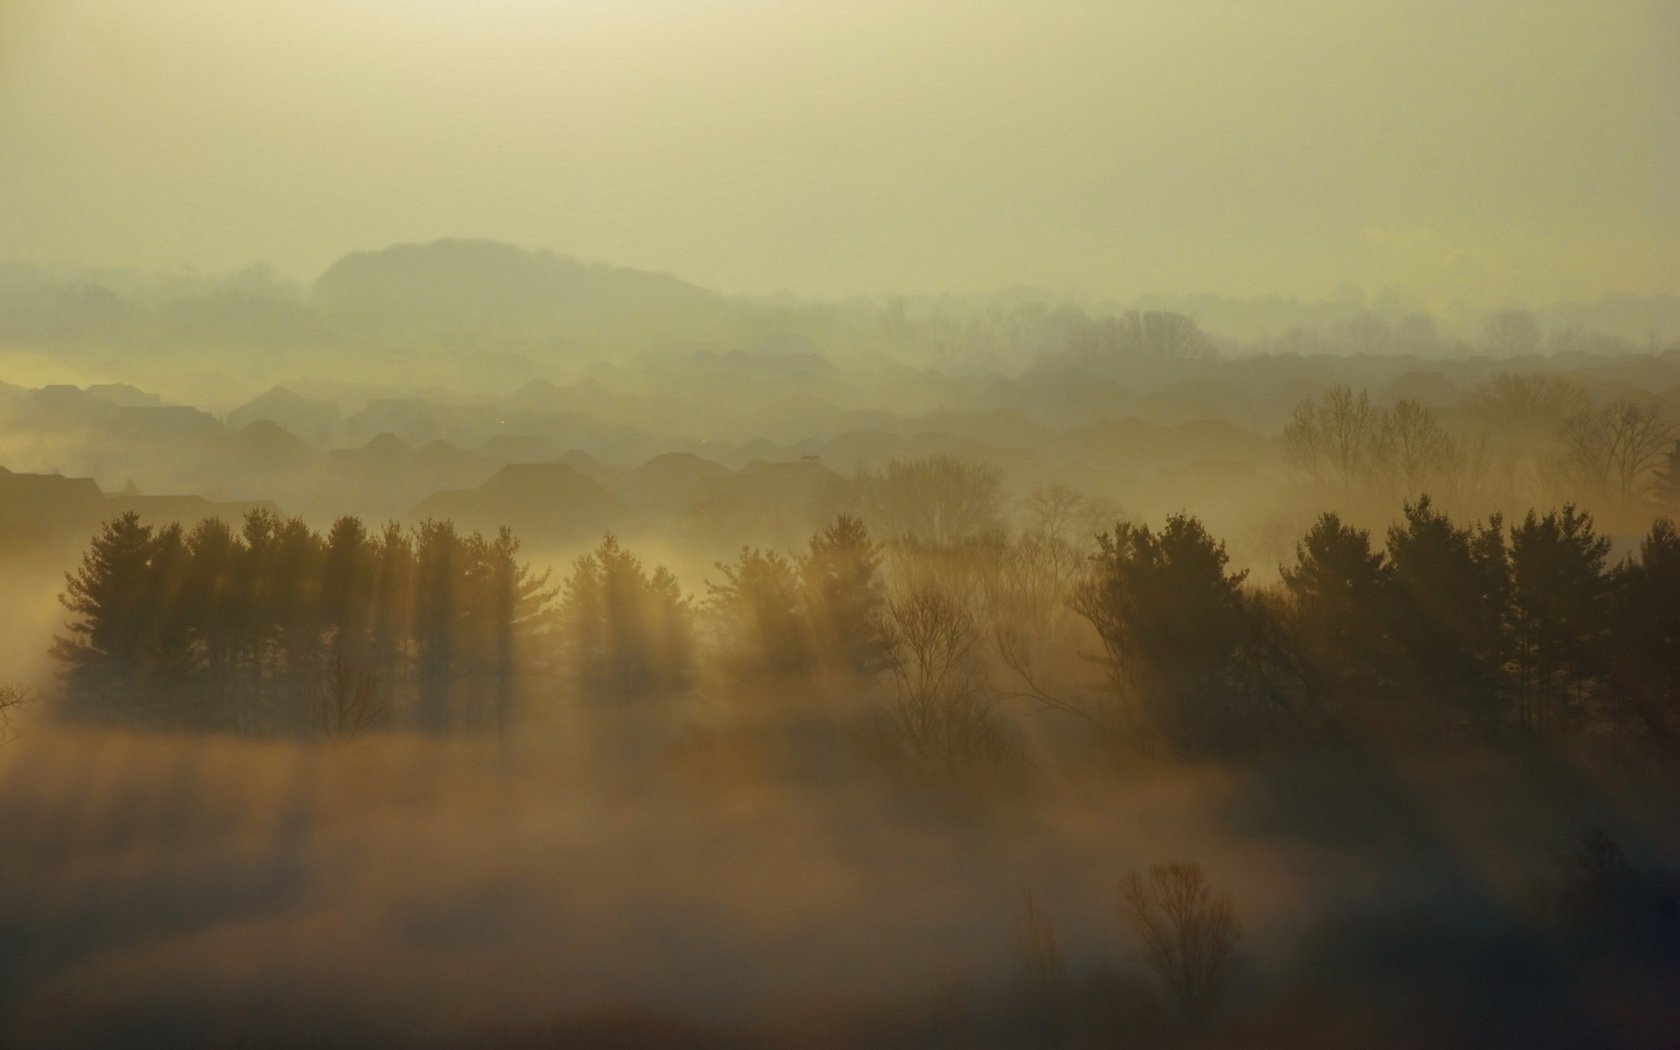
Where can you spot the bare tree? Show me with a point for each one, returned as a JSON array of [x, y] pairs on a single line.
[[940, 500], [1336, 439], [345, 700], [1055, 510], [1029, 605], [12, 701], [942, 711], [1041, 957], [1189, 932], [1164, 335], [1418, 452], [1528, 406], [1612, 449]]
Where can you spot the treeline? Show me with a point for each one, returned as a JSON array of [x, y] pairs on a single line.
[[1515, 440], [1444, 630], [278, 628]]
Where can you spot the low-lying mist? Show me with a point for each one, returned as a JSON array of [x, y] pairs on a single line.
[[672, 880]]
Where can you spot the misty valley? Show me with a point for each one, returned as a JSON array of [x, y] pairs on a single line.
[[990, 672], [579, 525]]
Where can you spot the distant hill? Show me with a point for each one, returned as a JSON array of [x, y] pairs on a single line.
[[473, 293], [314, 420], [541, 502]]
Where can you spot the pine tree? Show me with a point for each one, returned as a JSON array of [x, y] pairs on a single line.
[[1447, 616], [1338, 590], [1644, 643], [624, 633], [844, 599], [113, 651], [1173, 624], [1558, 610], [758, 614]]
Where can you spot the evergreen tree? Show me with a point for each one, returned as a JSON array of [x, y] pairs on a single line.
[[624, 633], [758, 614], [1558, 612], [110, 653], [442, 613], [1451, 586], [1339, 590], [211, 598], [1645, 637], [1173, 624], [844, 599]]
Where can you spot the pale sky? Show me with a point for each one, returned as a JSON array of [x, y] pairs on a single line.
[[1520, 151]]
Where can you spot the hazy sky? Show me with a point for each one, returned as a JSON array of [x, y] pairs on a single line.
[[1483, 150]]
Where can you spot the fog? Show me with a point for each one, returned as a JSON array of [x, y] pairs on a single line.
[[411, 891], [738, 524]]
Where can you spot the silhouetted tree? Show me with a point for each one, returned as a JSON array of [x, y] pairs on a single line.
[[1189, 933], [1340, 592], [942, 713], [345, 699], [212, 598], [111, 654], [1451, 590], [625, 632], [1613, 449], [1644, 640], [1172, 624], [1558, 612]]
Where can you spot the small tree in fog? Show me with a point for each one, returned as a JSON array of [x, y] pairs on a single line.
[[1044, 970], [1161, 335], [1416, 452], [942, 712], [12, 701], [940, 500], [1337, 439], [1189, 933], [1035, 943], [345, 699], [1527, 406], [1511, 333]]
